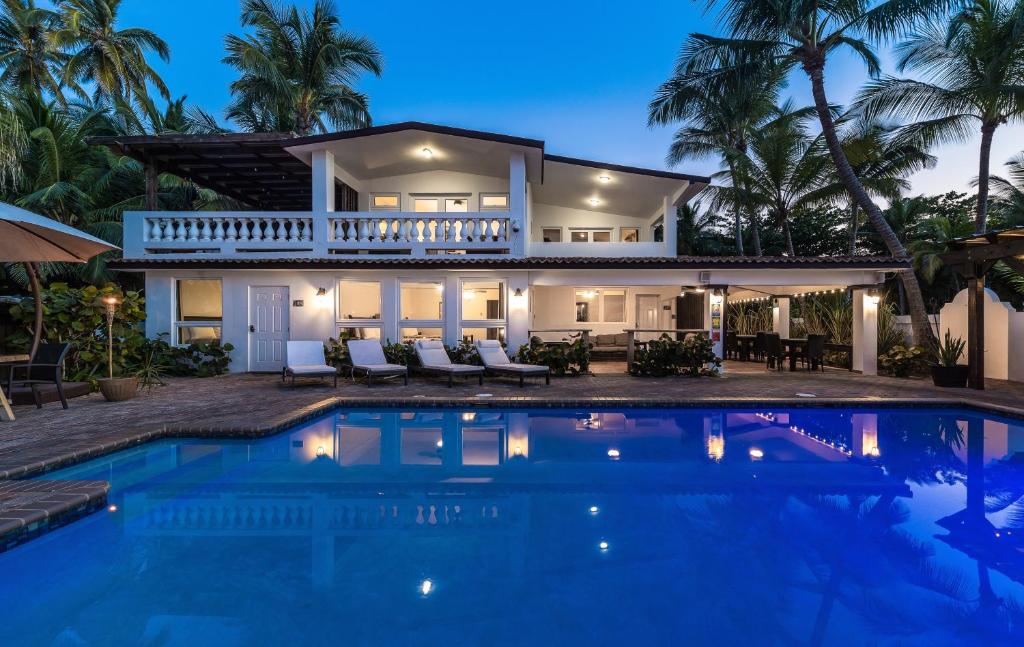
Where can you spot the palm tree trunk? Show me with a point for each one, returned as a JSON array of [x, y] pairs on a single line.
[[815, 69], [755, 235], [854, 226], [736, 210], [987, 132], [789, 235]]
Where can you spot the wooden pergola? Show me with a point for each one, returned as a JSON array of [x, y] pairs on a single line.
[[972, 257]]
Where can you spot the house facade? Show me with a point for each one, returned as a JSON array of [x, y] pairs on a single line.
[[414, 230]]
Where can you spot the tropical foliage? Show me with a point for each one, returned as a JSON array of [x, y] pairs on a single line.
[[693, 356], [571, 356]]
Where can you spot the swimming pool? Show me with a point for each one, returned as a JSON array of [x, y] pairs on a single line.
[[461, 526]]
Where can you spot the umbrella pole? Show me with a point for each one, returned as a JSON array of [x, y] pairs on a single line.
[[37, 297]]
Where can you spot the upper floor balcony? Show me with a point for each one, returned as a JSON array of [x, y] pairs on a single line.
[[403, 190]]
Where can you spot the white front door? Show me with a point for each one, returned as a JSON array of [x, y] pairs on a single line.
[[268, 328], [647, 308]]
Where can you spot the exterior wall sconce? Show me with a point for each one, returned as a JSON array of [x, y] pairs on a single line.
[[518, 292], [321, 292], [874, 296]]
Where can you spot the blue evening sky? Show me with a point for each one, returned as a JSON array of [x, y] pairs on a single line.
[[577, 74]]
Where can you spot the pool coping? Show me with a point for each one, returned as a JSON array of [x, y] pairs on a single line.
[[20, 525]]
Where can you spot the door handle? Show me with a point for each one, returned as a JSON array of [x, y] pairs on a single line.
[[252, 328]]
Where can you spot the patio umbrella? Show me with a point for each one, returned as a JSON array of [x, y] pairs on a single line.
[[29, 238]]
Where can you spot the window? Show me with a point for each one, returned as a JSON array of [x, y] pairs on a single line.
[[363, 332], [414, 333], [424, 205], [481, 446], [606, 305], [385, 202], [590, 235], [629, 234], [586, 305], [200, 310], [483, 300], [476, 334], [358, 300], [613, 306], [493, 202], [457, 205], [422, 301], [552, 234]]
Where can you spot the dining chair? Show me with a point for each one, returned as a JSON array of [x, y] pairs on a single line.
[[773, 351]]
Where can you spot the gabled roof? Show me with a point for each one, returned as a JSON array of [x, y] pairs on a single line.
[[271, 171]]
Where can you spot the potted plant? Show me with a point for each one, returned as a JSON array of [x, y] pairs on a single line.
[[947, 371], [115, 389]]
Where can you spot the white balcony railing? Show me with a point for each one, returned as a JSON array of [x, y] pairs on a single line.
[[318, 234]]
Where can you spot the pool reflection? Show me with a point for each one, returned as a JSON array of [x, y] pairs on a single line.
[[803, 525]]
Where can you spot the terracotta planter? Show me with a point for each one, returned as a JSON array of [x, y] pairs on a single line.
[[119, 388], [950, 376]]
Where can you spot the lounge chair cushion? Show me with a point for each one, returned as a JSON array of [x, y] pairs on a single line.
[[523, 368], [316, 369], [306, 354], [432, 353], [455, 368], [381, 368], [367, 353], [491, 353]]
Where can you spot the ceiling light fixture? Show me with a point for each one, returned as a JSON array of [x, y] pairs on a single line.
[[594, 201], [605, 179], [426, 152]]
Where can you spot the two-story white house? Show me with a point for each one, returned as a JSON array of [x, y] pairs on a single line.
[[414, 230]]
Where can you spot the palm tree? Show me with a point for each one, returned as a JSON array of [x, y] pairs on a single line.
[[112, 60], [720, 113], [791, 33], [881, 160], [1009, 193], [973, 73], [695, 231], [28, 58], [298, 69], [782, 168]]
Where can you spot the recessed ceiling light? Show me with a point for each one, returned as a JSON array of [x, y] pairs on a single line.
[[604, 178], [426, 152], [594, 201]]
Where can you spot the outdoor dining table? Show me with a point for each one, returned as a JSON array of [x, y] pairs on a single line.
[[5, 407]]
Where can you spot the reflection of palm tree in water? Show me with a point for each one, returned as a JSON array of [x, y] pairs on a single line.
[[871, 577]]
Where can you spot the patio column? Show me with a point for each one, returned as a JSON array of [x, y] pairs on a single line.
[[517, 203], [715, 301], [865, 332], [323, 181], [780, 317], [518, 310]]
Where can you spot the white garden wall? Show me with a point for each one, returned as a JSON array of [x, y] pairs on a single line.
[[1004, 334]]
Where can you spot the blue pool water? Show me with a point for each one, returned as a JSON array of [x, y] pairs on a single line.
[[533, 527]]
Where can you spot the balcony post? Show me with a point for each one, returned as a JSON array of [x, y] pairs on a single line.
[[668, 227], [517, 203], [323, 181]]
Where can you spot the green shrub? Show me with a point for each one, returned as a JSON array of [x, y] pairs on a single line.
[[401, 353], [464, 353], [569, 357], [902, 361], [77, 316], [693, 356]]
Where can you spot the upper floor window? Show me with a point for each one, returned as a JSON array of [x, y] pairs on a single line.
[[590, 235], [551, 234], [493, 202], [199, 313], [629, 234], [385, 202]]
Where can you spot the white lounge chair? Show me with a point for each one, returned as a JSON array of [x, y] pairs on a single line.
[[368, 358], [306, 359], [496, 361], [434, 359]]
